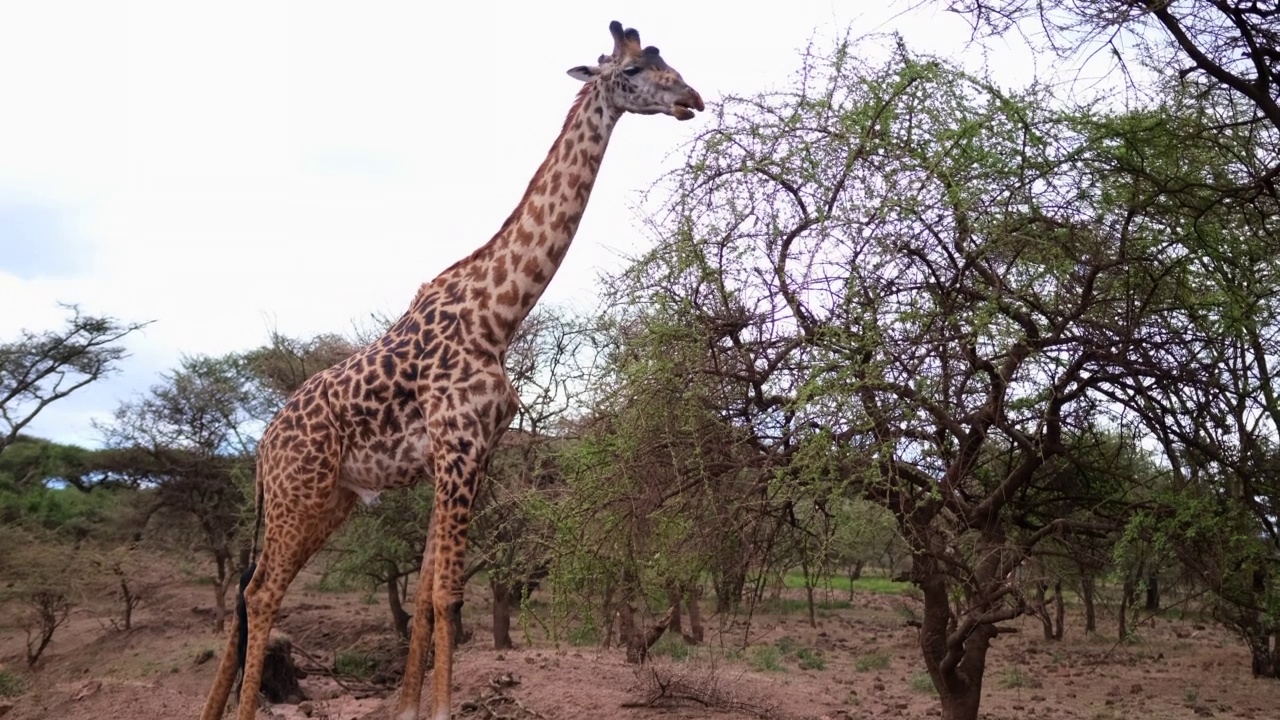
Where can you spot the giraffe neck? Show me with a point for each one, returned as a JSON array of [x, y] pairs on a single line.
[[505, 278]]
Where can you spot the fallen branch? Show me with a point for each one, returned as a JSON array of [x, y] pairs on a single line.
[[663, 689], [495, 703]]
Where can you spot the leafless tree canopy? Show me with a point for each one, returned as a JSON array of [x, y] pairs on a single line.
[[39, 369]]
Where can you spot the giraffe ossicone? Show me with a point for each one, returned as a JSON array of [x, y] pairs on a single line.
[[430, 398]]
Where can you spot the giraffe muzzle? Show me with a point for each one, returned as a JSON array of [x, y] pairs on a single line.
[[684, 108]]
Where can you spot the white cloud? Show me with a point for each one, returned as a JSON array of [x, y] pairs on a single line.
[[230, 166]]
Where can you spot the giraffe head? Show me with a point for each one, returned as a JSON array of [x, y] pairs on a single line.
[[636, 78]]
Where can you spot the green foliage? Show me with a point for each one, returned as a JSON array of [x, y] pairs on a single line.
[[809, 659], [872, 661], [382, 541], [64, 489], [671, 646], [354, 663], [774, 658], [584, 635], [766, 658], [67, 511], [920, 682], [37, 560], [11, 684], [1013, 678], [877, 585]]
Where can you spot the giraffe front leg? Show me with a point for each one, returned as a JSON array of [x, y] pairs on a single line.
[[420, 631], [458, 476]]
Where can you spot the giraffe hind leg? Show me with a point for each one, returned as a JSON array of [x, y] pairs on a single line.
[[226, 673], [285, 551], [230, 672]]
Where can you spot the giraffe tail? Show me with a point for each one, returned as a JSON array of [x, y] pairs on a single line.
[[242, 621], [242, 610]]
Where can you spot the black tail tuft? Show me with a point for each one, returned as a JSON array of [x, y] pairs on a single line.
[[242, 619]]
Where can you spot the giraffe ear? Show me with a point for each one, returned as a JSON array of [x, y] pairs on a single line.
[[585, 73]]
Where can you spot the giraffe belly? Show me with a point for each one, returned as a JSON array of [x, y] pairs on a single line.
[[370, 470]]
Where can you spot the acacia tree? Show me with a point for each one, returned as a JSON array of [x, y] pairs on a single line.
[[962, 291], [1212, 157], [41, 368], [1233, 44], [661, 486], [512, 529], [192, 433]]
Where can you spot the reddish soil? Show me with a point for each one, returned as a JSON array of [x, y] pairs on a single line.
[[870, 668]]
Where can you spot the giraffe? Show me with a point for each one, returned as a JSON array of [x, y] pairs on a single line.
[[430, 397]]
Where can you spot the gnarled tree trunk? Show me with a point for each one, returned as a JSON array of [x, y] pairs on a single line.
[[693, 600], [1090, 612], [501, 615], [399, 617]]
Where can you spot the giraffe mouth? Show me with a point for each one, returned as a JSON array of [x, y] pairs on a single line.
[[684, 109]]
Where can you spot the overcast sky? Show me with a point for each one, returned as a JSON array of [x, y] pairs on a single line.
[[222, 168]]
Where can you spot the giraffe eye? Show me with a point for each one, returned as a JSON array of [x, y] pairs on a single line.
[[632, 71]]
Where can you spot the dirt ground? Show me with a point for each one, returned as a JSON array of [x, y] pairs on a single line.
[[860, 662]]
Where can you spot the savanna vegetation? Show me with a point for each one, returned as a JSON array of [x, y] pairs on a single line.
[[1012, 347]]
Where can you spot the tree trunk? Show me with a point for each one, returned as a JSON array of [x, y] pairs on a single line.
[[674, 598], [1153, 592], [959, 685], [962, 704], [694, 600], [1090, 613], [1126, 599], [222, 581], [1042, 609], [729, 586], [808, 592], [627, 632], [637, 642], [1275, 658], [1060, 608], [130, 602], [501, 615], [609, 591], [279, 675], [399, 618], [1264, 662], [855, 572]]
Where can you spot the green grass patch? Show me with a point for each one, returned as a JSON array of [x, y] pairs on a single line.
[[786, 644], [1013, 678], [766, 658], [11, 685], [792, 605], [880, 585], [922, 683], [872, 661], [355, 664], [671, 646], [582, 635], [809, 660], [331, 582]]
